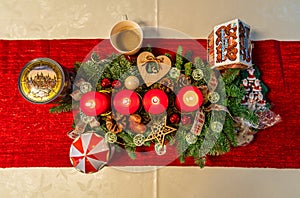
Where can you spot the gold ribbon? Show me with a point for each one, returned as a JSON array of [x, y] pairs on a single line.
[[151, 58]]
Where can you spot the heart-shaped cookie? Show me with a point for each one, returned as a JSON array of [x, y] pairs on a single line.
[[153, 68]]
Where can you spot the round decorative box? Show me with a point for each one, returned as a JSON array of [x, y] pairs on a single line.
[[90, 152], [42, 80]]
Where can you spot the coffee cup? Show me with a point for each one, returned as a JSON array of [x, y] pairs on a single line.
[[126, 36]]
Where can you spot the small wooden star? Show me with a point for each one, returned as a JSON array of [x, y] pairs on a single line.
[[159, 130]]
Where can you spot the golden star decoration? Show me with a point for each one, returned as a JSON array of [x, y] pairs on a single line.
[[159, 130]]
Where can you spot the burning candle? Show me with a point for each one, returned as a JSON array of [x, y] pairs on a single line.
[[126, 102], [189, 99], [155, 101], [94, 103]]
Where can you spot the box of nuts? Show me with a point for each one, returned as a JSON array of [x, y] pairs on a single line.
[[229, 45]]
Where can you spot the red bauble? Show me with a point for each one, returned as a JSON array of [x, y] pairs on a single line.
[[116, 84], [126, 102], [94, 103], [105, 83], [186, 120], [189, 99], [174, 118], [155, 101]]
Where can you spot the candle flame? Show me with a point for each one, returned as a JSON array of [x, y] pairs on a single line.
[[90, 104]]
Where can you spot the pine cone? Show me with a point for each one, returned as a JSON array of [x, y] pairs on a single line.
[[112, 125], [184, 80], [166, 85]]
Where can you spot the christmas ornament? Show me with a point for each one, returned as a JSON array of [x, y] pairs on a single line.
[[216, 126], [197, 74], [126, 102], [116, 84], [43, 80], [174, 118], [191, 138], [152, 68], [213, 97], [85, 87], [89, 152], [186, 120], [189, 99], [253, 99], [105, 83], [132, 82], [174, 72], [155, 101], [110, 137], [139, 140], [159, 130], [95, 103], [160, 149]]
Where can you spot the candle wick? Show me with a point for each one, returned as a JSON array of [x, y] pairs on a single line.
[[155, 100], [126, 101]]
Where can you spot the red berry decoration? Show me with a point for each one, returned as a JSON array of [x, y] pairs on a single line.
[[186, 120], [174, 118], [105, 83], [116, 84]]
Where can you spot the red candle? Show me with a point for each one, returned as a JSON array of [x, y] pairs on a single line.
[[155, 101], [126, 102], [189, 99], [94, 103]]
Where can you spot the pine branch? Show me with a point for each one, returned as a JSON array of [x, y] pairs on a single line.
[[179, 59], [64, 107], [230, 75]]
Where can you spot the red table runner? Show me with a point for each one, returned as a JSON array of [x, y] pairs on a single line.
[[32, 137]]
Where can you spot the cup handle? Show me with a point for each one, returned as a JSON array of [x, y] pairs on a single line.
[[124, 17]]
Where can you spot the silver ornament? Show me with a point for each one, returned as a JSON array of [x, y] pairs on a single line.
[[216, 126], [139, 140], [85, 87], [197, 74], [213, 97], [190, 138], [159, 149], [110, 137], [174, 72]]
